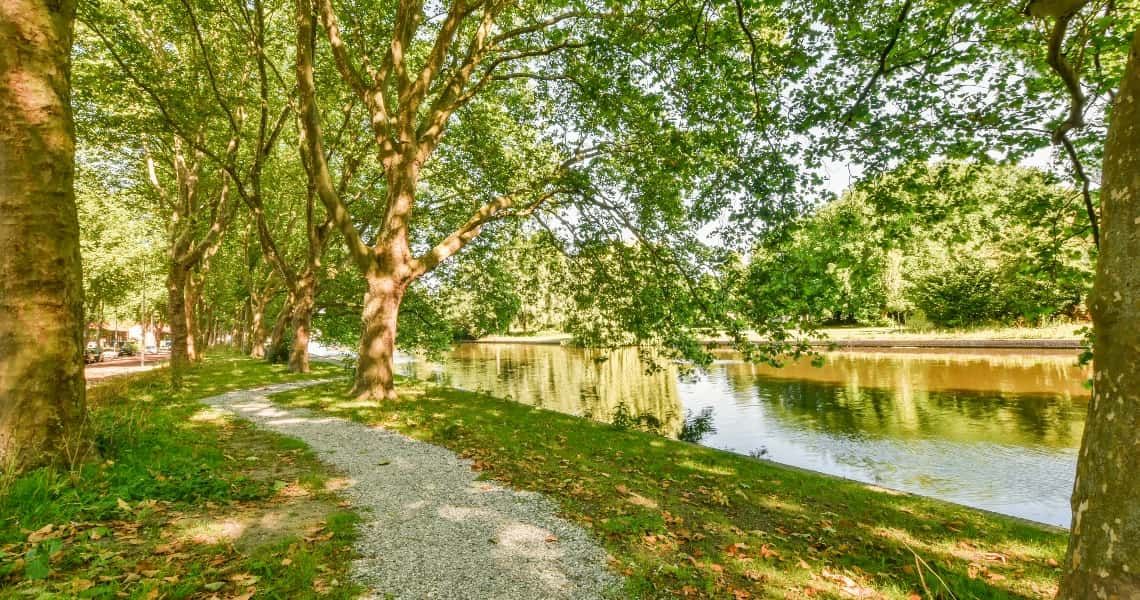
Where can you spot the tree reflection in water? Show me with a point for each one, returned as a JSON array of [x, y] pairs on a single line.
[[996, 429]]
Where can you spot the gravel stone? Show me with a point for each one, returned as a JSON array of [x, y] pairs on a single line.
[[430, 529]]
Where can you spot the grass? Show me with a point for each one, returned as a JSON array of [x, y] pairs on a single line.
[[1053, 331], [179, 502], [681, 520]]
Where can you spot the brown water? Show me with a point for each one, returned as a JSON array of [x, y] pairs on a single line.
[[995, 430]]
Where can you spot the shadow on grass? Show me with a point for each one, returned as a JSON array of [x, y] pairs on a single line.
[[686, 520], [111, 524]]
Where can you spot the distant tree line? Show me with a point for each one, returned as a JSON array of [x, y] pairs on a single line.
[[951, 244]]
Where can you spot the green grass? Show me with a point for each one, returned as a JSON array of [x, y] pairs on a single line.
[[687, 521], [980, 332], [123, 523]]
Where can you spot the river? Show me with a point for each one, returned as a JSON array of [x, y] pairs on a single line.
[[990, 429]]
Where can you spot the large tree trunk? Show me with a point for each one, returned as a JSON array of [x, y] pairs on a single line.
[[1104, 546], [176, 312], [42, 410], [284, 318], [375, 378], [302, 320]]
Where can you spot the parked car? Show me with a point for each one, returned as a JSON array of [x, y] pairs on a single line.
[[127, 348], [91, 353], [109, 353], [151, 349], [164, 346]]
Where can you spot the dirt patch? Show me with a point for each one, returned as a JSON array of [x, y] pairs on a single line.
[[251, 526]]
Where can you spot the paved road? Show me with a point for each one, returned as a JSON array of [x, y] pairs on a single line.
[[123, 366]]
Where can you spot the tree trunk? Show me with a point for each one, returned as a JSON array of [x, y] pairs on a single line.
[[42, 403], [242, 328], [1104, 547], [302, 320], [257, 329], [176, 313], [375, 378], [193, 332], [284, 318]]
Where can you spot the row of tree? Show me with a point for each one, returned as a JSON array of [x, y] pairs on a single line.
[[950, 244], [314, 158]]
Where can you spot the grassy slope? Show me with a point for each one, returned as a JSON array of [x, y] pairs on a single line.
[[684, 520], [1060, 331], [179, 503]]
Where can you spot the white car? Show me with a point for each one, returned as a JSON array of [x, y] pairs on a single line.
[[110, 353]]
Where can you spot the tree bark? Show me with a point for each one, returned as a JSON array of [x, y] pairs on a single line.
[[176, 311], [257, 328], [284, 318], [193, 327], [42, 402], [1104, 546], [375, 377], [302, 319], [242, 328]]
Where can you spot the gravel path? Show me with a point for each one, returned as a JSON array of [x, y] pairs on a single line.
[[430, 529]]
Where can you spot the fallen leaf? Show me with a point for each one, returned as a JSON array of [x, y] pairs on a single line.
[[41, 534], [738, 549]]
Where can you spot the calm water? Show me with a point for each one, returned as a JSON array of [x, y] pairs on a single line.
[[993, 430]]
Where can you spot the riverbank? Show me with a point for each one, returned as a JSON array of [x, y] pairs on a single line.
[[1056, 337], [181, 501], [688, 521]]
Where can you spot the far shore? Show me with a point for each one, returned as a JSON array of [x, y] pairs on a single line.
[[1059, 337]]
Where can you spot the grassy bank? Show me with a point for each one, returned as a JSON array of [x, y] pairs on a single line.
[[686, 521], [1061, 331], [179, 503]]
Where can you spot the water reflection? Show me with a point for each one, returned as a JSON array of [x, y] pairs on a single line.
[[997, 430], [579, 382]]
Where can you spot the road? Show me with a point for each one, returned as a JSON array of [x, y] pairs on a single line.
[[123, 365]]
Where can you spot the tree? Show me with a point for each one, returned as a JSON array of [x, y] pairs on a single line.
[[42, 410], [649, 117], [1104, 546], [121, 245], [210, 154], [923, 97]]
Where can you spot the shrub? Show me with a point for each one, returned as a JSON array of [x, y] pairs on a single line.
[[278, 354], [958, 293]]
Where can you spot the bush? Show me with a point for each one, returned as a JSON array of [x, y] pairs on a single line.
[[958, 293], [278, 354], [969, 291]]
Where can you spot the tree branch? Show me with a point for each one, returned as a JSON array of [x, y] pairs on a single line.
[[311, 130], [881, 70]]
